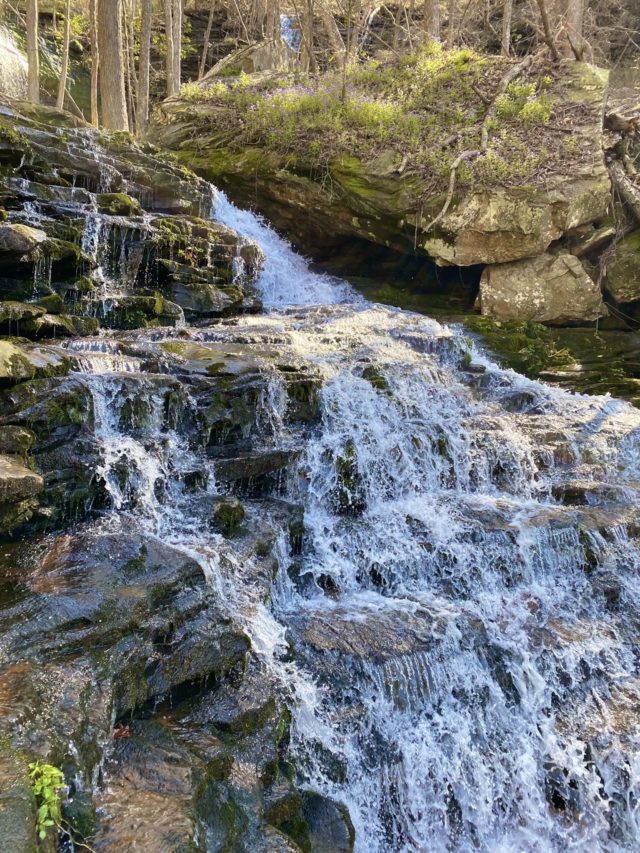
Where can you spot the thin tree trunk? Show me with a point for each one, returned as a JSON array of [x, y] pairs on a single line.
[[173, 30], [33, 56], [575, 26], [333, 33], [432, 18], [144, 67], [307, 32], [112, 91], [95, 60], [451, 29], [273, 27], [62, 85], [168, 29], [54, 17], [548, 32], [131, 77], [507, 14], [177, 44], [207, 36]]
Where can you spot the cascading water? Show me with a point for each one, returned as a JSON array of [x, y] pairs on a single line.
[[457, 639], [13, 66]]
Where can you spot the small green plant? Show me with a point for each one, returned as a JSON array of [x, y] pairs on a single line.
[[47, 783]]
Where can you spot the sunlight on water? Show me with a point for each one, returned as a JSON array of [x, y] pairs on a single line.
[[464, 614]]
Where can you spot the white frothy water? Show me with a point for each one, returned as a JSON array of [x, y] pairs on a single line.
[[464, 612], [13, 67], [286, 278]]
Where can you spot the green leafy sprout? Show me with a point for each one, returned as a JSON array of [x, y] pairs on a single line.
[[47, 783]]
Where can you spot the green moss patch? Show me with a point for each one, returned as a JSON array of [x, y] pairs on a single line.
[[527, 347]]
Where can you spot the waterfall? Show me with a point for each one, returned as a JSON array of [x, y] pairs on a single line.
[[457, 639], [13, 66], [286, 278], [290, 32]]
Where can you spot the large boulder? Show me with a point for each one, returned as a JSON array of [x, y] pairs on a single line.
[[501, 225], [19, 239], [623, 273], [265, 55], [552, 289]]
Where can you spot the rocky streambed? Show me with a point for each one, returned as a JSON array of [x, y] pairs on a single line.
[[316, 577]]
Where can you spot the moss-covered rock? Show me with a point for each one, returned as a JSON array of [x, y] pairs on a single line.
[[228, 515], [19, 362], [623, 271], [118, 204], [20, 240], [501, 211], [16, 441], [139, 312], [527, 347], [19, 490], [59, 326]]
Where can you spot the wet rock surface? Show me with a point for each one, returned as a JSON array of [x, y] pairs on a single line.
[[88, 236], [274, 564]]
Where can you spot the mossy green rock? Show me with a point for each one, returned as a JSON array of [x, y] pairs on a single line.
[[118, 204], [16, 440], [19, 362], [380, 201], [228, 515], [623, 272], [19, 491], [138, 312], [59, 326], [13, 314], [19, 239]]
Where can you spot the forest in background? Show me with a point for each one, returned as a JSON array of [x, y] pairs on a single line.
[[111, 60]]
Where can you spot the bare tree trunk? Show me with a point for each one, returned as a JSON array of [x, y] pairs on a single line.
[[451, 29], [168, 29], [548, 32], [309, 60], [112, 91], [144, 67], [333, 33], [507, 14], [177, 44], [273, 29], [62, 85], [54, 17], [33, 56], [575, 26], [207, 37], [173, 31], [95, 60], [128, 14], [432, 18]]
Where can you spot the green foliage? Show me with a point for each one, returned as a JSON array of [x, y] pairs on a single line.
[[47, 783], [524, 102], [525, 346], [407, 105]]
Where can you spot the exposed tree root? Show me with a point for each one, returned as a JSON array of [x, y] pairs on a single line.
[[471, 154]]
